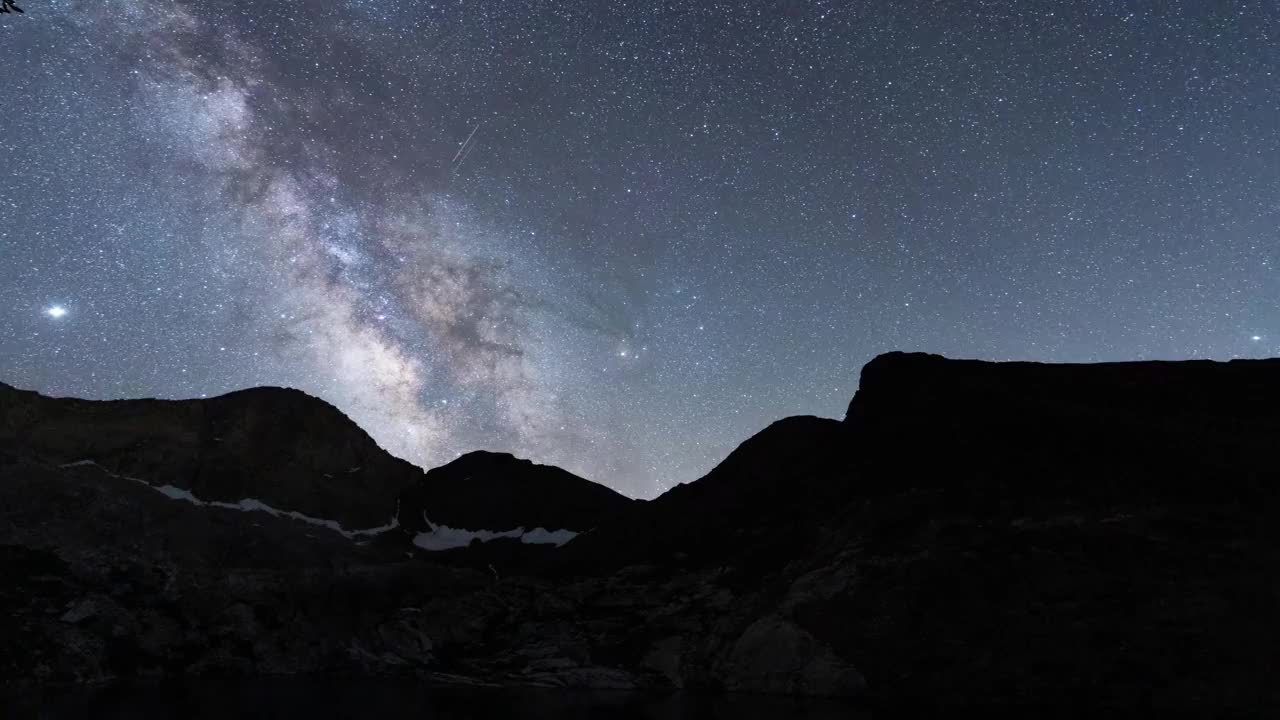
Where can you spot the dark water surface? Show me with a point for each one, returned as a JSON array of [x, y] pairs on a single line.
[[384, 700]]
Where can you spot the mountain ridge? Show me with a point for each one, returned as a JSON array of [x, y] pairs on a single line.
[[1100, 536]]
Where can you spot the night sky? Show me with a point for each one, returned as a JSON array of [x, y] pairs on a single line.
[[623, 237]]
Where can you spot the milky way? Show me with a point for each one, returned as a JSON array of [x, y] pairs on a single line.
[[623, 237]]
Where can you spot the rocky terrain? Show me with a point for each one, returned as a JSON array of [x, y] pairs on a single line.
[[970, 534]]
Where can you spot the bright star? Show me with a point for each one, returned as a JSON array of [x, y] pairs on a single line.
[[56, 312]]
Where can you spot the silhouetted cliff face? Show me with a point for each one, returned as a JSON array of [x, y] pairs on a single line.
[[970, 534], [901, 385], [760, 506], [282, 447], [1195, 429], [293, 453], [982, 432], [497, 491]]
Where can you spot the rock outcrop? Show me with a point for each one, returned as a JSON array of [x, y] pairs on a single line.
[[971, 534], [282, 447], [497, 491]]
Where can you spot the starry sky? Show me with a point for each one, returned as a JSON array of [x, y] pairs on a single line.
[[622, 237]]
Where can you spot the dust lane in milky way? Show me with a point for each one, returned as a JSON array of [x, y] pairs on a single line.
[[622, 237]]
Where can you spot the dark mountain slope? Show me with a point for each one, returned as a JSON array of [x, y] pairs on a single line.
[[293, 452], [759, 506], [283, 447], [1015, 435], [497, 491], [1020, 532], [971, 534], [1028, 431]]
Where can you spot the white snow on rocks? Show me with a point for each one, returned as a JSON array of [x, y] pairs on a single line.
[[440, 537], [249, 505], [443, 537]]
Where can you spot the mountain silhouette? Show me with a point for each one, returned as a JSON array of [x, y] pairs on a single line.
[[969, 535]]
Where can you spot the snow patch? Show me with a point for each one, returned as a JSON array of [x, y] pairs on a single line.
[[439, 537], [543, 536], [175, 493], [249, 505], [443, 537]]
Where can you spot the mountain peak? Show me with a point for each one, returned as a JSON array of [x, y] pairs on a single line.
[[972, 518], [1112, 428], [279, 446], [498, 491]]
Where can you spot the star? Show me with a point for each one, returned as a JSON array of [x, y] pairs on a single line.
[[358, 257]]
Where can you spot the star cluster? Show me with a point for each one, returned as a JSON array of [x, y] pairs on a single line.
[[622, 236]]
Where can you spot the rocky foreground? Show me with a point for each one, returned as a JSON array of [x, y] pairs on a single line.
[[970, 534]]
